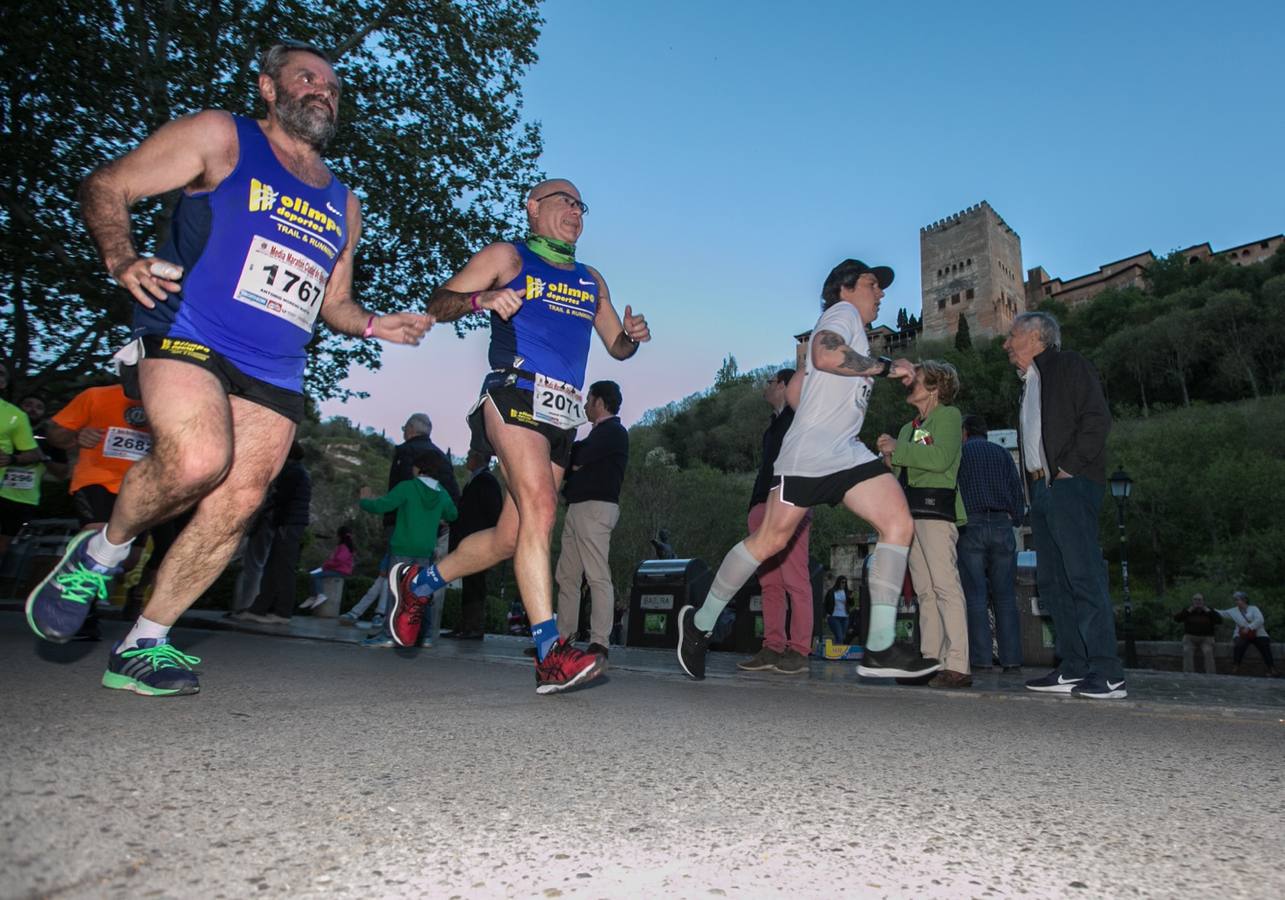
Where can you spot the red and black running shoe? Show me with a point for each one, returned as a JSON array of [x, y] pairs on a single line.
[[565, 667], [407, 614]]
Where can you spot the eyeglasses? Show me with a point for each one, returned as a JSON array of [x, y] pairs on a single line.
[[570, 201]]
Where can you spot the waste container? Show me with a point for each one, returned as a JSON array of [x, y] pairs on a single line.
[[1037, 625], [661, 588]]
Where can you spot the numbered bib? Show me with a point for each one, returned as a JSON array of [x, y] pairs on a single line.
[[282, 282], [126, 443], [557, 403], [18, 478]]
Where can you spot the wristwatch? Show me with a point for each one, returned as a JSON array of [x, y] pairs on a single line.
[[887, 366]]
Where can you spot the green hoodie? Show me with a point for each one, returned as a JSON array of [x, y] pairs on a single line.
[[931, 453], [421, 503]]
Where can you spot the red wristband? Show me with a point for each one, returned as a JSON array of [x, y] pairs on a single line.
[[472, 301], [370, 327]]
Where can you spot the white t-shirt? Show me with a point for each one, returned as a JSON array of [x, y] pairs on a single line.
[[840, 604], [1032, 423], [823, 438]]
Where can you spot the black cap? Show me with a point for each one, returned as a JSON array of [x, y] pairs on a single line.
[[847, 272]]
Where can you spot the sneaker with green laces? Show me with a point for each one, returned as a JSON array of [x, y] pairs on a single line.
[[58, 605], [155, 668]]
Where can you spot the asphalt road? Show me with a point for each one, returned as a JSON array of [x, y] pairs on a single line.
[[321, 769]]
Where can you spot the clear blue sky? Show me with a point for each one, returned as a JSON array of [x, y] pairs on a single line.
[[732, 152]]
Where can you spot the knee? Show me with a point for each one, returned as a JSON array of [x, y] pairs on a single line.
[[197, 468], [538, 515], [898, 530]]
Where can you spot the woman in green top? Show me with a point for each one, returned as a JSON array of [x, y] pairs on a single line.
[[925, 457]]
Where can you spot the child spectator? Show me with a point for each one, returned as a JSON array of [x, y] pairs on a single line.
[[338, 565], [421, 504]]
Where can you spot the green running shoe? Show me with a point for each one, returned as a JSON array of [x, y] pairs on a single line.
[[154, 668], [58, 606]]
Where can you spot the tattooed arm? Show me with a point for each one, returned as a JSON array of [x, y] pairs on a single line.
[[831, 354], [483, 277]]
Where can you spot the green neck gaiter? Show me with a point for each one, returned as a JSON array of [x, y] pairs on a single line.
[[552, 249]]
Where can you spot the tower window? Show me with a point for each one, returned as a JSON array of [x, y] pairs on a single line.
[[941, 303], [969, 294], [954, 298]]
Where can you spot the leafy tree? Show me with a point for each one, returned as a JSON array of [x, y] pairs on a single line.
[[430, 139], [963, 339]]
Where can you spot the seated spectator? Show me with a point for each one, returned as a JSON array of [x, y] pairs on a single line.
[[1250, 630], [337, 565], [1199, 623]]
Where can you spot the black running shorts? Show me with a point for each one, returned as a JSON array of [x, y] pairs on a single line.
[[235, 382], [800, 490], [514, 404]]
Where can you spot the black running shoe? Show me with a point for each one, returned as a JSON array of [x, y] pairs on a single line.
[[898, 661], [693, 644]]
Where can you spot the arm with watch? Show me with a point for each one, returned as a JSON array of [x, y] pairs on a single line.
[[831, 353]]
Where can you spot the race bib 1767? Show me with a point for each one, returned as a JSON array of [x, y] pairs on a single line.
[[282, 282]]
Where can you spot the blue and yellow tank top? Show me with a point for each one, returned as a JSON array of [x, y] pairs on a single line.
[[550, 334], [257, 251]]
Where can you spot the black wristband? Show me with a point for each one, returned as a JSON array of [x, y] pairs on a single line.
[[887, 366]]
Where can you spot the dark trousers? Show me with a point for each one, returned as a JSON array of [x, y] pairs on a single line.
[[1072, 577], [473, 602], [277, 586], [987, 555], [1240, 645]]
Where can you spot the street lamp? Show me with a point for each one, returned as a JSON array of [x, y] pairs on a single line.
[[1121, 488]]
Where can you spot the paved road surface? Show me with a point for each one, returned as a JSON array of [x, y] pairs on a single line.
[[308, 768]]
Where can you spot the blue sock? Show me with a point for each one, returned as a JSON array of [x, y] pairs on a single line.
[[427, 581], [545, 635]]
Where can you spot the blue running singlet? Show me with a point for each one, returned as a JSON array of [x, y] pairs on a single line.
[[550, 334], [257, 253]]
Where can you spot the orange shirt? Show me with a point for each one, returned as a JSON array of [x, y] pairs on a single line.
[[126, 437]]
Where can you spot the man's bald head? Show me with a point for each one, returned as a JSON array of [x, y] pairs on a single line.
[[555, 209], [550, 186]]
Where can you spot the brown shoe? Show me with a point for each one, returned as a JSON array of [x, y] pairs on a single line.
[[948, 679]]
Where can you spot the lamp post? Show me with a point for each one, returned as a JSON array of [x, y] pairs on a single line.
[[1121, 487]]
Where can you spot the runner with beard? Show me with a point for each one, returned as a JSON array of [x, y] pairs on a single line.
[[262, 243]]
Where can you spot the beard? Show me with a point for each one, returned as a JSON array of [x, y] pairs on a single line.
[[302, 119]]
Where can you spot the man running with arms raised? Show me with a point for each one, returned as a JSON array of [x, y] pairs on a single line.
[[543, 305], [266, 236], [823, 461]]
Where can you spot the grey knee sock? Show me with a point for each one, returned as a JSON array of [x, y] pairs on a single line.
[[887, 572], [738, 565]]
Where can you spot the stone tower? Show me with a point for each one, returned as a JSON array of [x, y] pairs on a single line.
[[970, 265]]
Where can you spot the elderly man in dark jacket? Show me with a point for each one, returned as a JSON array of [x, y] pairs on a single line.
[[1062, 435]]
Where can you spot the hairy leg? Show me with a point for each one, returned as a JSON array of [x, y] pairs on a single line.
[[191, 423], [261, 441]]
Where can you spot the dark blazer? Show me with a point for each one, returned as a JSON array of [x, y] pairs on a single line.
[[1074, 417], [598, 464], [480, 506]]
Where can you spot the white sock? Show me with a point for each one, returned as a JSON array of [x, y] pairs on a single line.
[[104, 552], [886, 574], [145, 628], [738, 567]]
